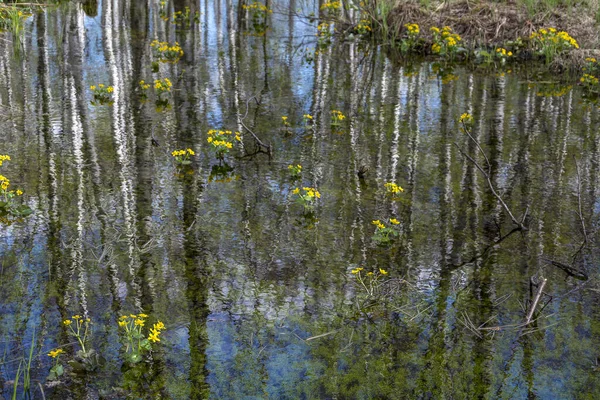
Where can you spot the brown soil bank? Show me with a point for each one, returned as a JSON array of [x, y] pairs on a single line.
[[488, 24]]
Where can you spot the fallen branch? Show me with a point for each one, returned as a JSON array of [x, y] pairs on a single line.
[[258, 141], [538, 296]]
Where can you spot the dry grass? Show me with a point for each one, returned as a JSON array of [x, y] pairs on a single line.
[[489, 24]]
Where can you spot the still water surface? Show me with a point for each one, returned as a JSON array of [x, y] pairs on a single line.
[[258, 298]]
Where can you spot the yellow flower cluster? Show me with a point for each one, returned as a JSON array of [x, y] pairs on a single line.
[[553, 37], [4, 158], [256, 6], [310, 193], [295, 168], [503, 52], [378, 224], [364, 26], [413, 29], [144, 85], [162, 85], [166, 52], [393, 188], [4, 182], [589, 80], [332, 6], [186, 152], [554, 92], [444, 40], [337, 115], [466, 118], [220, 142], [357, 271], [285, 121], [323, 29], [102, 88], [56, 353], [155, 332], [588, 59]]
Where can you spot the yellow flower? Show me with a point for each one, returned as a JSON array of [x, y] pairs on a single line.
[[122, 324], [139, 322], [369, 273], [191, 153], [296, 191], [67, 322], [153, 337], [356, 270], [159, 326], [123, 317], [93, 87], [56, 353], [110, 89], [394, 221], [383, 271], [76, 317], [19, 192]]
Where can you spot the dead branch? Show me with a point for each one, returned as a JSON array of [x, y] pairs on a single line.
[[580, 212], [538, 296], [520, 224], [258, 141]]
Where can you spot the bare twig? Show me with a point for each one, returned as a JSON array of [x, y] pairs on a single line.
[[580, 213], [258, 141], [536, 301], [520, 224]]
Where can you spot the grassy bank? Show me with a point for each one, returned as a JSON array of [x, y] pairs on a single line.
[[485, 26]]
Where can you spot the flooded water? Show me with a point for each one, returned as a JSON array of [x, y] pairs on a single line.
[[257, 295]]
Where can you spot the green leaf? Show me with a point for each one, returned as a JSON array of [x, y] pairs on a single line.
[[145, 344], [135, 357]]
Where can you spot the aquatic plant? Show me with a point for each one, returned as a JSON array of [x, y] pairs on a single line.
[[182, 157], [162, 86], [57, 369], [592, 66], [445, 42], [136, 341], [324, 35], [182, 17], [502, 54], [102, 94], [549, 42], [363, 27], [220, 141], [308, 197], [9, 204], [79, 327], [258, 16], [371, 281], [332, 7], [295, 171], [162, 11], [589, 82], [393, 190], [222, 173], [410, 42], [385, 234], [308, 119], [337, 117], [166, 53]]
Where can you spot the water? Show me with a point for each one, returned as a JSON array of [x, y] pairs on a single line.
[[258, 298]]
